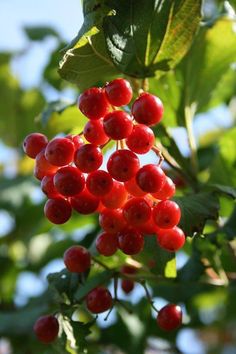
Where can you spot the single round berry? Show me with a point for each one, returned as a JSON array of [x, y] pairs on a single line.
[[107, 244], [117, 197], [148, 228], [167, 191], [112, 220], [88, 158], [137, 211], [147, 109], [171, 239], [123, 165], [48, 187], [94, 132], [69, 181], [77, 259], [127, 285], [85, 203], [133, 188], [150, 178], [166, 214], [118, 125], [99, 300], [93, 103], [60, 151], [119, 92], [141, 139], [43, 167], [34, 143], [130, 241], [76, 139], [57, 210], [169, 317], [99, 183], [46, 328]]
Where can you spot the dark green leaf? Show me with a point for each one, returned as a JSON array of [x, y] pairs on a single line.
[[38, 33]]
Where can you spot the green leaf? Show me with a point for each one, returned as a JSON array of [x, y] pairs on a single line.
[[146, 37], [39, 33], [196, 209], [161, 262], [226, 190]]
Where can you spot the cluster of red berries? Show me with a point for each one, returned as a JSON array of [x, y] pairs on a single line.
[[132, 200]]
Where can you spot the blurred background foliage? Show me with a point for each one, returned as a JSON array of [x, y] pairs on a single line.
[[198, 137]]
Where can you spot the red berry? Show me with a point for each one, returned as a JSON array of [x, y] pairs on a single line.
[[94, 132], [93, 103], [167, 191], [46, 328], [119, 92], [118, 125], [169, 317], [112, 220], [57, 210], [127, 285], [141, 139], [117, 197], [171, 239], [147, 109], [148, 228], [85, 203], [99, 300], [48, 187], [77, 259], [137, 211], [130, 241], [34, 143], [99, 183], [127, 269], [69, 181], [123, 165], [76, 139], [150, 178], [60, 151], [88, 158], [166, 214], [43, 167], [107, 244], [133, 189]]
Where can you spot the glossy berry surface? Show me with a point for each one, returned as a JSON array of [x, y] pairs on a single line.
[[147, 109], [60, 151], [166, 214], [57, 210], [141, 139], [77, 259], [46, 328], [117, 197], [119, 92], [76, 139], [85, 202], [99, 183], [150, 178], [123, 165], [169, 317], [137, 211], [48, 187], [112, 220], [34, 143], [94, 132], [132, 187], [69, 181], [118, 125], [171, 239], [107, 244], [99, 300], [167, 190], [130, 241], [88, 158], [93, 103], [43, 167]]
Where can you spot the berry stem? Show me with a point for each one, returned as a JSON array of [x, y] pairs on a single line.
[[145, 84], [159, 154], [102, 146], [100, 263], [148, 295]]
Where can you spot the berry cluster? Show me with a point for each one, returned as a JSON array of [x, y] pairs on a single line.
[[132, 200]]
